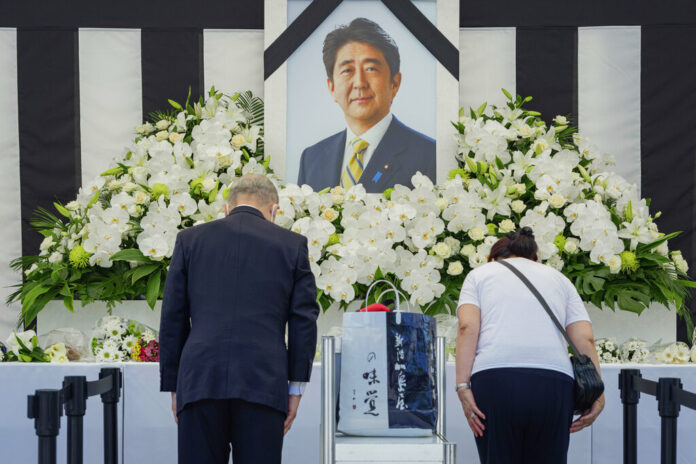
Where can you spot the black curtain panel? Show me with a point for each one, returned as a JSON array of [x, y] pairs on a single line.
[[668, 134], [49, 123], [547, 69], [172, 62]]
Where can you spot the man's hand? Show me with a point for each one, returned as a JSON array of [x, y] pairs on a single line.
[[589, 417], [176, 419], [293, 404]]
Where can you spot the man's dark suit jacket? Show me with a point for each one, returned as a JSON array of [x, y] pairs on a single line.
[[402, 150], [239, 280]]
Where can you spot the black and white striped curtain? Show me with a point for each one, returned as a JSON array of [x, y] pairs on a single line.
[[76, 78]]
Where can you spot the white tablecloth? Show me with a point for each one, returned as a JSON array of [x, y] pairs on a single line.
[[148, 433]]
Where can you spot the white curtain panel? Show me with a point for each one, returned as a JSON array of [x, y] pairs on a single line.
[[233, 60], [486, 65], [609, 94], [110, 95], [10, 211]]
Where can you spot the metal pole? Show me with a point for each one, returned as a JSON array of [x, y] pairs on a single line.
[[441, 359], [110, 400], [328, 401], [630, 395], [75, 408], [668, 406], [450, 453], [44, 406]]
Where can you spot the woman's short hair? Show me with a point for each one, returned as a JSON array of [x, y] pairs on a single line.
[[365, 31], [519, 243], [253, 185]]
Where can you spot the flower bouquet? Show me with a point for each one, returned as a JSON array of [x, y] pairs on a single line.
[[115, 339]]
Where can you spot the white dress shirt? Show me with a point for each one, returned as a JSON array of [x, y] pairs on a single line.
[[294, 388], [372, 136]]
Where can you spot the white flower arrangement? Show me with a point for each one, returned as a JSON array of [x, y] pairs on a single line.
[[608, 351], [675, 353], [634, 351], [514, 171]]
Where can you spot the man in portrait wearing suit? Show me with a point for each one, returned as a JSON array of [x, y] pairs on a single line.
[[233, 286], [376, 149]]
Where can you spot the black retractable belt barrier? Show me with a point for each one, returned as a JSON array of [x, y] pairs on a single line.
[[670, 397], [45, 407]]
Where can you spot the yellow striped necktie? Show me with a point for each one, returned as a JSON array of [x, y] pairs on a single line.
[[354, 169]]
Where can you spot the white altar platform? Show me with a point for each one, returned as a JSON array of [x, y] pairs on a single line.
[[147, 432]]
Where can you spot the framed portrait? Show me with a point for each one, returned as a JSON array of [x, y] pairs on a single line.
[[361, 98]]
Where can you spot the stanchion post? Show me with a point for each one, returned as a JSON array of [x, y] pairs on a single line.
[[630, 395], [328, 400], [441, 359], [44, 406], [668, 406], [110, 400], [75, 408]]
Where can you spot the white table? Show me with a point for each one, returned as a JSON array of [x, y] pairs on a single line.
[[148, 434]]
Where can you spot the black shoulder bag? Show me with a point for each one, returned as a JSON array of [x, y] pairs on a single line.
[[588, 383]]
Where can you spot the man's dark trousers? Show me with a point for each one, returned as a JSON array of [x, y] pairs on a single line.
[[207, 428]]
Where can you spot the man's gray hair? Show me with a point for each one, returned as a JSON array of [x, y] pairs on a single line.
[[256, 186]]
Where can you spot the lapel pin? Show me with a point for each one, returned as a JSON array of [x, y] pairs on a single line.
[[386, 166]]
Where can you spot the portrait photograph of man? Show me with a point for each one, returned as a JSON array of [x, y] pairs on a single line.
[[376, 135]]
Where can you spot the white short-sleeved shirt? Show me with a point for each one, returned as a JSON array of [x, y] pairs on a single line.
[[515, 330]]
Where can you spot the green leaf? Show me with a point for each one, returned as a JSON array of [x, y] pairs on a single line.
[[142, 271], [33, 294], [130, 254], [69, 303], [94, 199], [112, 172], [633, 300], [481, 109], [61, 209], [153, 288]]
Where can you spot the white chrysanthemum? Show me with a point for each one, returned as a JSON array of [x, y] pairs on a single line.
[[128, 343]]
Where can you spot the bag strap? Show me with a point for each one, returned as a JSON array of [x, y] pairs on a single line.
[[543, 302]]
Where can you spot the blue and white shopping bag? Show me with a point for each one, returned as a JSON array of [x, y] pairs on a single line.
[[387, 385]]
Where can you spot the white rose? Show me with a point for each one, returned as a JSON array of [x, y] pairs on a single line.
[[506, 225], [162, 124], [453, 243], [237, 141], [468, 250], [518, 206], [557, 200], [208, 184], [693, 354], [570, 246], [129, 187], [521, 188], [476, 233], [455, 268], [680, 263], [55, 257], [337, 198], [560, 120], [329, 214], [442, 250], [615, 264], [162, 135], [73, 206], [47, 243], [442, 204], [174, 136], [141, 197]]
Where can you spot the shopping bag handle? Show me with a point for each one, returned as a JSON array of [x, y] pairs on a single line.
[[393, 289]]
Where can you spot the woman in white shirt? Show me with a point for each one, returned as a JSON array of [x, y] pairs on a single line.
[[514, 376]]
